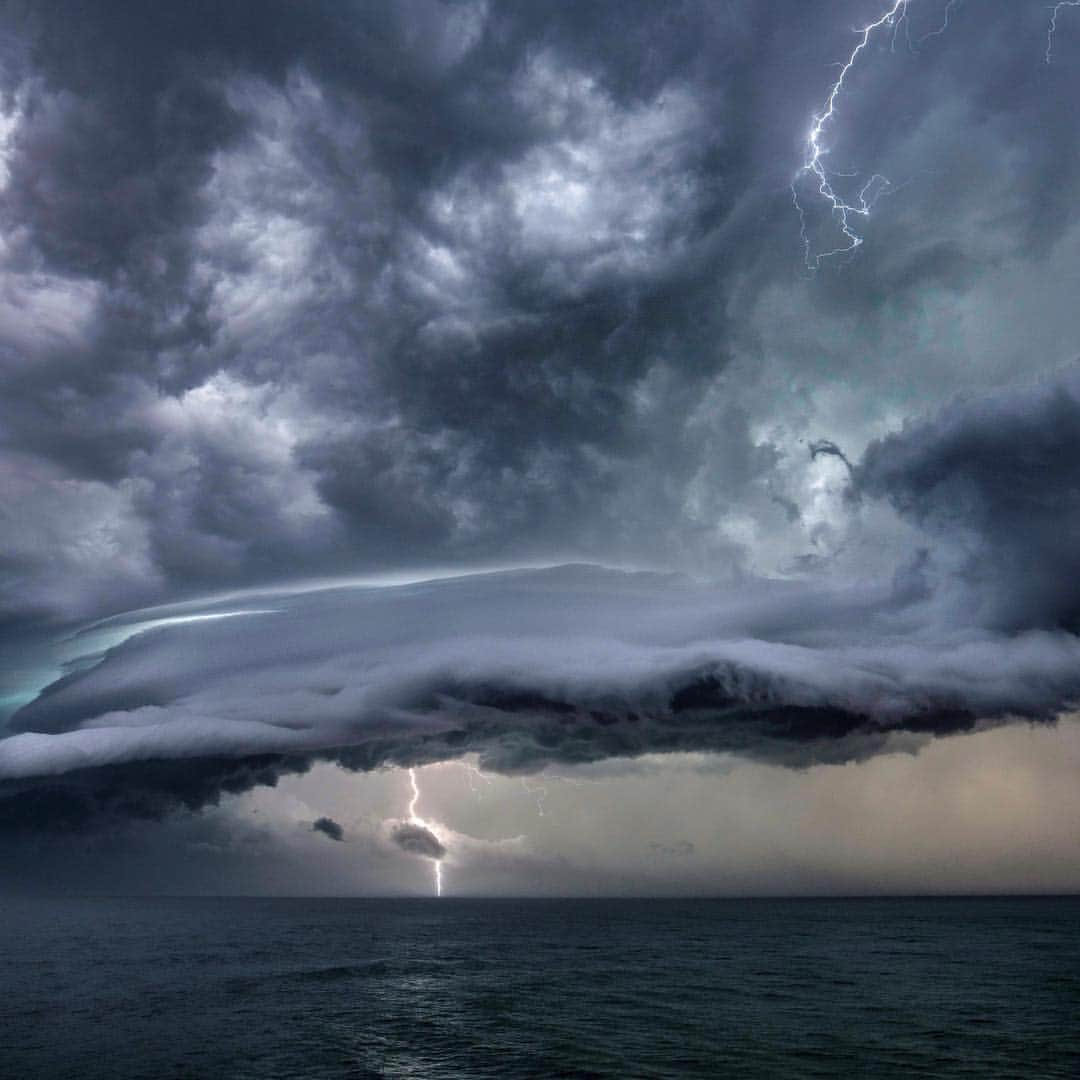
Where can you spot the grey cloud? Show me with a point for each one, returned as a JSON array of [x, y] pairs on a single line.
[[469, 354], [417, 840], [328, 827], [994, 479]]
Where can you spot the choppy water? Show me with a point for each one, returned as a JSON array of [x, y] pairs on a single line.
[[161, 988]]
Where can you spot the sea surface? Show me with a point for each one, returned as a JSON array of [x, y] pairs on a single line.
[[261, 988]]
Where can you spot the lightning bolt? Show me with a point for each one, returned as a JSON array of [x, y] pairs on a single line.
[[413, 817], [1051, 28], [416, 819], [473, 773], [944, 25], [813, 165], [539, 793]]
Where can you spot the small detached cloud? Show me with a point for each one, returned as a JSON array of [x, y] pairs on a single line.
[[328, 827], [417, 840]]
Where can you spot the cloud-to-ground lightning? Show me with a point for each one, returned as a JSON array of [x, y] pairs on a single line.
[[1051, 29], [813, 165], [416, 819]]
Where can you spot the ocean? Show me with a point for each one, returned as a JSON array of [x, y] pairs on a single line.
[[263, 988]]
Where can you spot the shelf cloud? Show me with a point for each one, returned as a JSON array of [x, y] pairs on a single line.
[[577, 664]]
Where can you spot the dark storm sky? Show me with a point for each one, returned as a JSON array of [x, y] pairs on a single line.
[[296, 292]]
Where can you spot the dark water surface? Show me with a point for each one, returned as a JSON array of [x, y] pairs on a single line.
[[161, 988]]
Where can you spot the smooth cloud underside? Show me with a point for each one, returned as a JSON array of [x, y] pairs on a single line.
[[577, 664]]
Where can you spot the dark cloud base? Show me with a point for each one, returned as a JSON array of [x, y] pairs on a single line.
[[542, 733], [151, 791]]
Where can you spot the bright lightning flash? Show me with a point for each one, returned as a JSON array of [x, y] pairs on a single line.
[[416, 819], [843, 211], [1051, 30], [816, 151]]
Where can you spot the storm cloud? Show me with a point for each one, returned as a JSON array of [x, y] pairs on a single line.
[[303, 293], [995, 480], [577, 664], [325, 288]]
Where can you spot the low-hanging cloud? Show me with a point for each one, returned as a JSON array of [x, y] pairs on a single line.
[[578, 664], [418, 840], [328, 827]]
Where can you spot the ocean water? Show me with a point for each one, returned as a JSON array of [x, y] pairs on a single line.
[[162, 988]]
